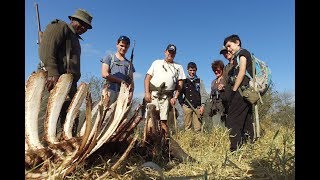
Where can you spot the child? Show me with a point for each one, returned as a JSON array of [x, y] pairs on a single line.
[[239, 118]]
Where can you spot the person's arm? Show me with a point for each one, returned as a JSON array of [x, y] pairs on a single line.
[[241, 74], [181, 95], [202, 99], [177, 92], [147, 95], [202, 93], [181, 79]]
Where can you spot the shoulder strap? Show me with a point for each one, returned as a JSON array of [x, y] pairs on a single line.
[[68, 48], [112, 61]]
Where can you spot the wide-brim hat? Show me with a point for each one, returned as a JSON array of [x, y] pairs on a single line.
[[223, 49], [84, 16]]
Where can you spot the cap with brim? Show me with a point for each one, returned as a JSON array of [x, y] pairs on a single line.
[[223, 49], [171, 47], [84, 16]]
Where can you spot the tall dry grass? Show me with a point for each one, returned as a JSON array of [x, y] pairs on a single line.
[[270, 157]]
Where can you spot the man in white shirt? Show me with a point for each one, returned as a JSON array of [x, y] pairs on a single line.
[[163, 83]]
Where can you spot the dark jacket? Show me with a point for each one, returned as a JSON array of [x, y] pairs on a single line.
[[191, 91], [52, 49]]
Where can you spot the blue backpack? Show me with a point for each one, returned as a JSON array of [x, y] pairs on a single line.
[[262, 74]]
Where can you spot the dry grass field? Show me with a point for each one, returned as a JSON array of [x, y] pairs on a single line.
[[270, 157]]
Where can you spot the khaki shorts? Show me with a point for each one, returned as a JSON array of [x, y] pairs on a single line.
[[161, 103]]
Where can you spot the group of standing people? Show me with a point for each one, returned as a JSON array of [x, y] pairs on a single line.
[[231, 107], [165, 82]]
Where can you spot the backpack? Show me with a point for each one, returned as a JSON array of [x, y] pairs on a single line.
[[262, 74]]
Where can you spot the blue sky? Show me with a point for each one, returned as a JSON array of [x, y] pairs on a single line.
[[196, 27]]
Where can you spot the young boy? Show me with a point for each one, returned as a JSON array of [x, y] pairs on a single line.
[[239, 118], [191, 100]]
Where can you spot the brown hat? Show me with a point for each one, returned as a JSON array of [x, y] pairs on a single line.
[[223, 49], [84, 16]]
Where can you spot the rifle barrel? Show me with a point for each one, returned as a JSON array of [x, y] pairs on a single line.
[[38, 20], [131, 60], [131, 57]]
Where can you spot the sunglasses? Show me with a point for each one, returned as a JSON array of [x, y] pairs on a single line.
[[124, 38]]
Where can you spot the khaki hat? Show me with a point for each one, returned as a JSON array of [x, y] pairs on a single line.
[[223, 49], [84, 16]]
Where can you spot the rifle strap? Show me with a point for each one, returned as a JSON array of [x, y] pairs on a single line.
[[193, 109], [68, 49], [112, 62]]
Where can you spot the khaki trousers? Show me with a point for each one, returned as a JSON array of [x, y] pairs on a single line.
[[190, 118]]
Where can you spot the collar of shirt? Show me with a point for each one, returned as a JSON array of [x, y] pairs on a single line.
[[192, 79]]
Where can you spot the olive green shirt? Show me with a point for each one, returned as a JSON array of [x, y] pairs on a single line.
[[52, 49]]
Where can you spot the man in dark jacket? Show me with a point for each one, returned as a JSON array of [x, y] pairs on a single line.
[[191, 100], [60, 51]]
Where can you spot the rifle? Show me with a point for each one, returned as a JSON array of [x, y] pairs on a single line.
[[41, 65], [39, 26], [193, 109], [130, 73]]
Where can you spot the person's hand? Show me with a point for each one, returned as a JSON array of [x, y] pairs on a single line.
[[221, 87], [51, 82], [173, 101], [123, 81], [147, 97], [201, 110]]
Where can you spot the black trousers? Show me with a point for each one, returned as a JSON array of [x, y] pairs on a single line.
[[239, 121]]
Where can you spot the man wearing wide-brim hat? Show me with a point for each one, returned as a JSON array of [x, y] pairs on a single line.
[[60, 50]]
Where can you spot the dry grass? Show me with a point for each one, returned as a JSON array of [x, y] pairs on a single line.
[[271, 157]]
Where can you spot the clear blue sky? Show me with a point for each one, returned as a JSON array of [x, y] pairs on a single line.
[[196, 27]]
